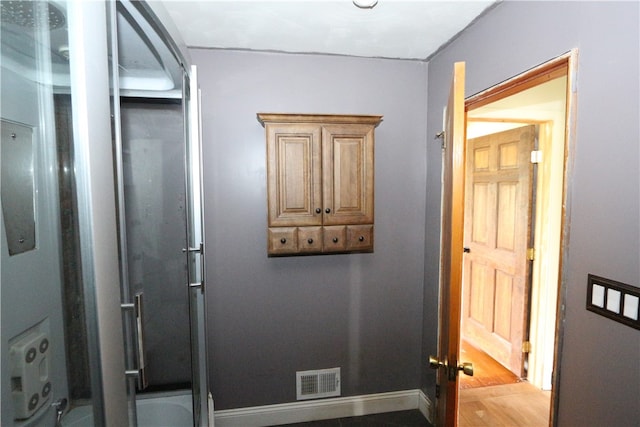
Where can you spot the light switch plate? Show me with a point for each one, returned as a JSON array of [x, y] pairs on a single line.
[[615, 300]]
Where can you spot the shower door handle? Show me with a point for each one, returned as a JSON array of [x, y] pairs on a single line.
[[136, 309], [143, 381], [130, 309], [200, 250]]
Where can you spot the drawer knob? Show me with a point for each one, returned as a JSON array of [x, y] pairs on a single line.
[[318, 210], [335, 240], [328, 210], [361, 238], [283, 240], [310, 241]]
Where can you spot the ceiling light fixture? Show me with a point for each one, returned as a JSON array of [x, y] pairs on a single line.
[[365, 4]]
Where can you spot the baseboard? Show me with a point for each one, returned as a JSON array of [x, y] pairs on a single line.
[[298, 412], [425, 406]]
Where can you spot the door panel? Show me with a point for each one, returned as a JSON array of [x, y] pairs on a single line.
[[481, 297], [196, 243], [294, 168], [507, 211], [451, 251], [479, 216], [156, 218], [496, 268], [348, 174], [502, 310]]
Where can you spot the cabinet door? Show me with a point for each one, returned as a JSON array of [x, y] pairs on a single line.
[[294, 174], [348, 174]]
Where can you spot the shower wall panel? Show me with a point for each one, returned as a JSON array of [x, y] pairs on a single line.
[[31, 281]]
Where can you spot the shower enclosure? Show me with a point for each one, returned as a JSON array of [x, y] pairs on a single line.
[[102, 246]]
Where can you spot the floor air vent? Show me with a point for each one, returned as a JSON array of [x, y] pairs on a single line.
[[318, 384]]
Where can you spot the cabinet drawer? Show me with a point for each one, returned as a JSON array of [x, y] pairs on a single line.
[[335, 238], [283, 240], [309, 239], [360, 238]]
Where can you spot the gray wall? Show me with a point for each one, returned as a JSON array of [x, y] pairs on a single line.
[[600, 371], [269, 317]]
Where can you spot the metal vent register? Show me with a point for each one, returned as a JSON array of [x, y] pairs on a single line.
[[317, 384]]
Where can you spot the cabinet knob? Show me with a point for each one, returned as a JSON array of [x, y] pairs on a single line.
[[361, 238], [335, 240], [310, 241], [318, 210], [283, 240], [328, 210]]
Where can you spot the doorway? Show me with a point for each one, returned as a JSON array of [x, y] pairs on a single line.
[[543, 327], [544, 106], [518, 325]]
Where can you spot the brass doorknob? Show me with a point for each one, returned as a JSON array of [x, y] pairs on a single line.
[[466, 368], [435, 363]]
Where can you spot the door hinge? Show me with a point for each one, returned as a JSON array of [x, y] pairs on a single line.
[[526, 347], [440, 136], [437, 391], [536, 156], [531, 254]]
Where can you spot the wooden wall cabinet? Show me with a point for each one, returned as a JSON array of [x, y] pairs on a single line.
[[320, 183]]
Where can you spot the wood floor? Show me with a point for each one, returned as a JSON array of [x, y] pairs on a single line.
[[512, 405], [496, 397], [486, 371]]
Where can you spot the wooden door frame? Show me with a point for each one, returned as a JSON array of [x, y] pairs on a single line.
[[563, 65]]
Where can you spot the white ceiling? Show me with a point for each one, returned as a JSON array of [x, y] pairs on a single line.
[[392, 29]]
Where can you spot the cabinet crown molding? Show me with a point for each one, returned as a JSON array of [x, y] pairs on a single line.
[[281, 118]]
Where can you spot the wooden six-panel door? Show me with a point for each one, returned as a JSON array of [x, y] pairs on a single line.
[[497, 228]]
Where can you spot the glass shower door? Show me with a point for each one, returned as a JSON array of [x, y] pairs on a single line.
[[159, 216], [196, 245], [156, 226]]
